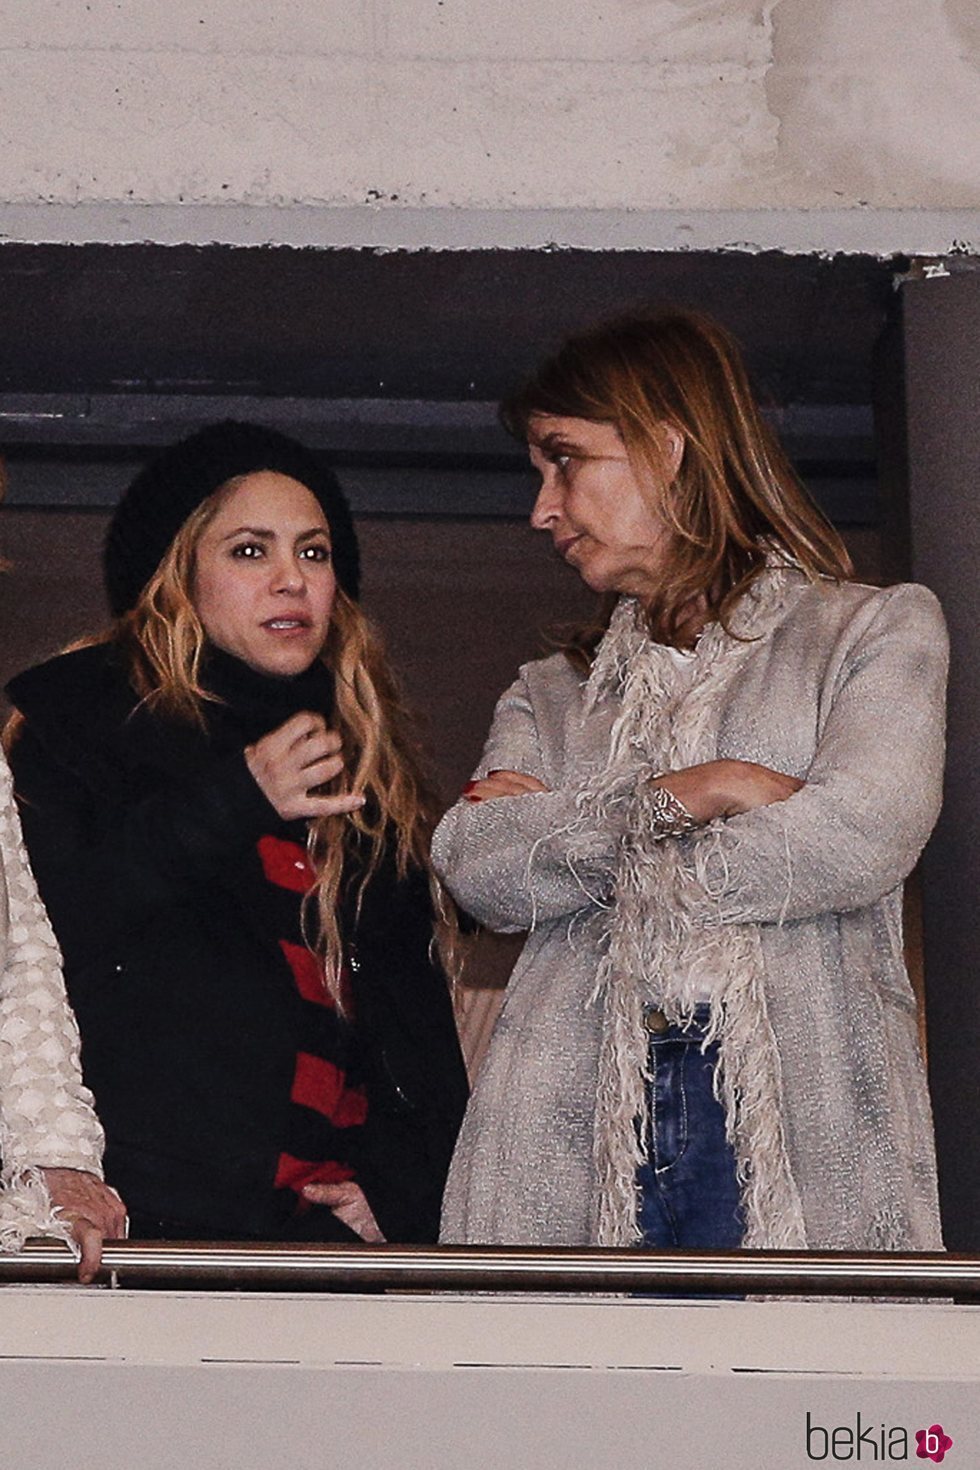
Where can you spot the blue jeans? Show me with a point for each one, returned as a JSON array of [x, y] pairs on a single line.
[[689, 1192]]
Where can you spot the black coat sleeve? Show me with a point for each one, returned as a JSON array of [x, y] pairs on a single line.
[[416, 1078], [104, 867]]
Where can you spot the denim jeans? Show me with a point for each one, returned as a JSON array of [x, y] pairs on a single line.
[[689, 1192]]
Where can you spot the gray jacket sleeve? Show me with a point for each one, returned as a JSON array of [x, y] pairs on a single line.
[[508, 861], [872, 793]]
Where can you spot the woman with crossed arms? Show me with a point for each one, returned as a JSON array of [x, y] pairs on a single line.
[[703, 811]]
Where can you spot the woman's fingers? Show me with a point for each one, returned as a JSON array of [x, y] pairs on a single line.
[[297, 803], [292, 762], [298, 727], [303, 739], [75, 1191], [89, 1240], [93, 1210], [348, 1202], [724, 788], [750, 786], [502, 783], [713, 789], [518, 780], [318, 772], [317, 745], [328, 806]]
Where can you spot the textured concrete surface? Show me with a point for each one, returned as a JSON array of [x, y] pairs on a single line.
[[878, 103], [642, 105]]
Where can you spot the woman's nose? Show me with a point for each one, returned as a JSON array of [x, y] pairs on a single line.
[[287, 575], [547, 507]]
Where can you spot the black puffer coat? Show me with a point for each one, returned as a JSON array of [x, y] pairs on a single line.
[[142, 834]]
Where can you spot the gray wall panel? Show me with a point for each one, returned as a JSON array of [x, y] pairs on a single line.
[[941, 329]]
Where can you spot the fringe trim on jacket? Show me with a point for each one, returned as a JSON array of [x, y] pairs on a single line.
[[25, 1210], [656, 952]]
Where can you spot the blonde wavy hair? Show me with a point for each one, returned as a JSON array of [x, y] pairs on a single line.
[[164, 642], [735, 499]]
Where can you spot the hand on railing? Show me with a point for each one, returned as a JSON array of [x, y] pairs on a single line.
[[91, 1208]]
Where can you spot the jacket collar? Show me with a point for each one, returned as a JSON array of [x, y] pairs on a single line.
[[755, 617], [82, 706]]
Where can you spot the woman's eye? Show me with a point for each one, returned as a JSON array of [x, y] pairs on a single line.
[[562, 462], [247, 550], [318, 552]]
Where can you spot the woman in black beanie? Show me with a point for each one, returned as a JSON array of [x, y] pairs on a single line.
[[226, 816]]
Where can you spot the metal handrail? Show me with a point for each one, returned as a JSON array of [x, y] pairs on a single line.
[[277, 1266]]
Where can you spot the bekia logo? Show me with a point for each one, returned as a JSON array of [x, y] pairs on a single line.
[[933, 1443], [873, 1442]]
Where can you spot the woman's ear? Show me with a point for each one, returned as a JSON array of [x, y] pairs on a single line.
[[674, 443]]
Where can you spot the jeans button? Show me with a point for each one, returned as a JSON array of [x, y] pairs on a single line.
[[655, 1021]]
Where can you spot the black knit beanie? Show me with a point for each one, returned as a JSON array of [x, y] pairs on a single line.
[[176, 481]]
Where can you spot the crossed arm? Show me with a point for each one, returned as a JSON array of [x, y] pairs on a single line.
[[772, 847]]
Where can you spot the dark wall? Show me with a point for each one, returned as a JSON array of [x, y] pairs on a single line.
[[941, 339], [437, 324], [461, 605]]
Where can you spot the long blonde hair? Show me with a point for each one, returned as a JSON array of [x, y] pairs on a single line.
[[164, 643], [735, 499]]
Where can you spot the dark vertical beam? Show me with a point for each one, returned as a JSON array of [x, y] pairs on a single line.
[[891, 449], [940, 325]]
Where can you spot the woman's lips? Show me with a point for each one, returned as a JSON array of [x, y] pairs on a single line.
[[564, 544], [286, 626]]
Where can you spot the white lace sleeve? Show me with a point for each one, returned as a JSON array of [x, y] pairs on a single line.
[[46, 1113]]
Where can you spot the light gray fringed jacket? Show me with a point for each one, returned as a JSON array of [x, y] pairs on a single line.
[[789, 914], [46, 1114]]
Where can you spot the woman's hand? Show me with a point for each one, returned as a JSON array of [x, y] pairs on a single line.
[[93, 1210], [725, 788], [346, 1200], [290, 763], [502, 783]]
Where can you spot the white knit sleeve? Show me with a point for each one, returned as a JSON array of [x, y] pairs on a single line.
[[46, 1114]]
